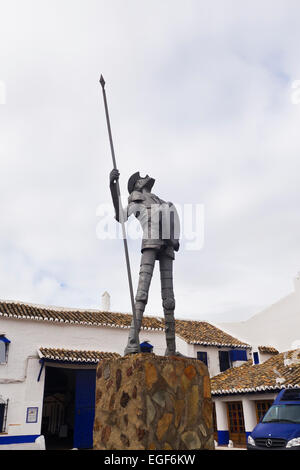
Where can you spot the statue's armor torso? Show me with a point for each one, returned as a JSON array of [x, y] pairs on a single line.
[[151, 212]]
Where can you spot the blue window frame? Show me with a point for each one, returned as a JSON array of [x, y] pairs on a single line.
[[238, 355], [256, 358], [202, 356], [4, 343]]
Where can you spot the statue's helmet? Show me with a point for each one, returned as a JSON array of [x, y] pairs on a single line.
[[132, 180], [147, 180]]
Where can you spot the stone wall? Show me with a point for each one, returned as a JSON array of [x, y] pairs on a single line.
[[147, 402]]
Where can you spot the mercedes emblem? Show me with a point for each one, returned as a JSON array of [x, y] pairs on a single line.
[[269, 443]]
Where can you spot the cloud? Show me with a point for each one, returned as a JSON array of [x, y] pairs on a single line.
[[199, 97]]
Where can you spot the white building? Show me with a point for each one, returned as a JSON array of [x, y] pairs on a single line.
[[48, 359], [242, 396], [278, 324]]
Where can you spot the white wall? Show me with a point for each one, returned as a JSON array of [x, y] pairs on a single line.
[[213, 362], [27, 336], [23, 391], [212, 357], [221, 414], [277, 325], [185, 348]]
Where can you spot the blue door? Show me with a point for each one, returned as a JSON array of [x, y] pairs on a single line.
[[84, 408]]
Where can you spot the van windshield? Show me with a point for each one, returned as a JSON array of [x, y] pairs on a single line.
[[282, 414]]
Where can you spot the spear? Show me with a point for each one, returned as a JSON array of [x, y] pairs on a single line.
[[102, 83]]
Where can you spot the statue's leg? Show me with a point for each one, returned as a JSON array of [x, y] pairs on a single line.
[[168, 301], [145, 276]]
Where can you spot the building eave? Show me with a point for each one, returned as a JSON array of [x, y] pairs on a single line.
[[269, 388]]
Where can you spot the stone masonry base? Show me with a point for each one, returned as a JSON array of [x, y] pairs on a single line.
[[147, 402]]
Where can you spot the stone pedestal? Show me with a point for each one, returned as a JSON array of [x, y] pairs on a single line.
[[147, 402]]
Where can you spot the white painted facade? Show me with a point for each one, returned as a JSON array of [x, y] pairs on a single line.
[[19, 376], [213, 362], [248, 407], [277, 325]]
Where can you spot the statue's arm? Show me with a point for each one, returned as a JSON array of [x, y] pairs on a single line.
[[113, 179], [175, 227]]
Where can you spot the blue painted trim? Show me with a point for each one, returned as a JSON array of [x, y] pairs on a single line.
[[223, 438], [256, 357], [4, 339], [238, 355], [42, 362], [18, 439], [84, 408]]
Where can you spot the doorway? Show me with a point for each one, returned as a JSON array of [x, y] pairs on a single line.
[[236, 422], [68, 408]]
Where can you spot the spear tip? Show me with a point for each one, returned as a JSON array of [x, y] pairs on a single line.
[[102, 81]]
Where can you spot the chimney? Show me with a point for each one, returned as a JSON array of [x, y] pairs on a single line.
[[105, 302]]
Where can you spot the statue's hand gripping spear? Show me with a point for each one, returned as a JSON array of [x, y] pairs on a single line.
[[121, 213]]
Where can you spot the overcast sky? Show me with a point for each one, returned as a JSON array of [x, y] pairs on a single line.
[[200, 98]]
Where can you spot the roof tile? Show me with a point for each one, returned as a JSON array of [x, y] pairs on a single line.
[[74, 355], [193, 332], [196, 332], [280, 371], [267, 350]]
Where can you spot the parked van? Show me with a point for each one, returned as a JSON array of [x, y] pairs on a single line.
[[279, 429]]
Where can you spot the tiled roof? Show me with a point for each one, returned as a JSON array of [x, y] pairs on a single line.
[[193, 332], [200, 332], [280, 371], [72, 355], [267, 350], [25, 311]]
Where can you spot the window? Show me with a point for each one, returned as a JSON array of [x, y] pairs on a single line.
[[4, 344], [224, 360], [283, 414], [262, 407], [202, 356], [238, 355], [291, 395], [256, 358], [3, 414]]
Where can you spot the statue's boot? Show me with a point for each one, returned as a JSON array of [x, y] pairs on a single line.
[[170, 334]]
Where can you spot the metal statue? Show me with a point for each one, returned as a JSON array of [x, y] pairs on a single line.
[[160, 225], [161, 228]]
